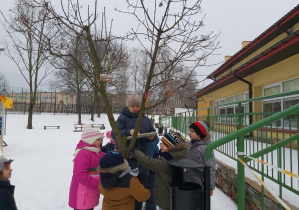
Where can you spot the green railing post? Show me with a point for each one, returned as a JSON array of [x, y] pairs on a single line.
[[185, 124], [240, 167]]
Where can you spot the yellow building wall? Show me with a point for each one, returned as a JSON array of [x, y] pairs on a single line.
[[268, 45], [204, 112], [282, 71], [229, 90]]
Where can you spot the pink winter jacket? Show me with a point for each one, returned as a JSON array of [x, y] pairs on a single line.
[[84, 191]]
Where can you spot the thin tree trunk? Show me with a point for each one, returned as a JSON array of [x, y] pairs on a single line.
[[79, 107], [30, 113]]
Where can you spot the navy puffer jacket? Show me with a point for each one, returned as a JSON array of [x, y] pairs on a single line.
[[7, 200], [125, 122]]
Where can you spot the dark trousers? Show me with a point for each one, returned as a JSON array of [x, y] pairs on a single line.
[[143, 180], [150, 203]]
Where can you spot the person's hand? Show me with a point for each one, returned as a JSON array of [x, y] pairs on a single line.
[[132, 152], [151, 137], [211, 192], [132, 132]]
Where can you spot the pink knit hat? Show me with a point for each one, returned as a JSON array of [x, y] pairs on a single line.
[[90, 135], [108, 134]]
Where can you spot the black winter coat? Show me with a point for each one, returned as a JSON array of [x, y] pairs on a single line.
[[125, 122], [7, 200], [108, 147]]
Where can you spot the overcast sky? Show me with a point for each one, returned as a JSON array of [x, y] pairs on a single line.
[[235, 20]]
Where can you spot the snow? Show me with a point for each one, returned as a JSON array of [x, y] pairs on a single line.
[[42, 167]]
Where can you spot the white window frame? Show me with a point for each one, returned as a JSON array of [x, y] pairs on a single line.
[[281, 100]]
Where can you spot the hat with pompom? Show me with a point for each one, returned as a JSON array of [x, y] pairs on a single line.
[[90, 135], [108, 134], [172, 138], [201, 128], [4, 163], [133, 100]]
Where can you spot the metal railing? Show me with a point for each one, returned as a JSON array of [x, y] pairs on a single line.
[[270, 136]]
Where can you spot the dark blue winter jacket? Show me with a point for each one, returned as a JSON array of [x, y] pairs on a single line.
[[153, 148], [7, 200], [125, 122]]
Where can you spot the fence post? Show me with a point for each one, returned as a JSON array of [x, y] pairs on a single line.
[[51, 103], [40, 102], [21, 101], [55, 103], [240, 167], [25, 102]]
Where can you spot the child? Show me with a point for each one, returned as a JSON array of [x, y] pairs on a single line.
[[172, 146], [200, 138], [7, 200], [110, 146], [84, 193], [119, 184]]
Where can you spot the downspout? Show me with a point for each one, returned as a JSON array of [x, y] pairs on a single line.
[[249, 93]]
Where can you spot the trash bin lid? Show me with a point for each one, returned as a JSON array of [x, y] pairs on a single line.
[[185, 163]]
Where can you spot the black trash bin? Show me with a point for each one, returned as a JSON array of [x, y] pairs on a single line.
[[186, 195]]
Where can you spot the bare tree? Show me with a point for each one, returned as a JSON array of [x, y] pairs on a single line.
[[3, 83], [70, 26], [70, 80], [168, 33], [25, 46]]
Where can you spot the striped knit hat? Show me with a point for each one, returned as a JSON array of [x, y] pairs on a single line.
[[90, 135], [201, 128], [171, 138]]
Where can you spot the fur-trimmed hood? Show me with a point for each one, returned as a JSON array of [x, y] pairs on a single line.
[[113, 169], [110, 176], [179, 150], [180, 146]]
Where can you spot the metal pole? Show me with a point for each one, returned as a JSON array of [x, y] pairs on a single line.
[[207, 189], [240, 167]]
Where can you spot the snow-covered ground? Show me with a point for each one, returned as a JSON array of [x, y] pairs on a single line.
[[42, 167]]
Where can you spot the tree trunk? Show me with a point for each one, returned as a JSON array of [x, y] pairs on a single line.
[[79, 107], [92, 108], [99, 107], [30, 113]]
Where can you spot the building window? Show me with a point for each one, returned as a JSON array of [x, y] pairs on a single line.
[[292, 119], [272, 90], [278, 104], [227, 114]]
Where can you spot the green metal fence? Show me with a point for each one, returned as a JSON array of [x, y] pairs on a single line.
[[270, 136]]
